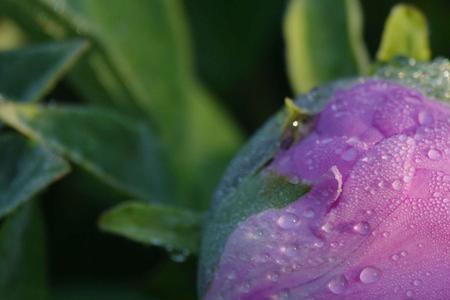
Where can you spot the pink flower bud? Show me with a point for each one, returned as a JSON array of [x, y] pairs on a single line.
[[376, 223]]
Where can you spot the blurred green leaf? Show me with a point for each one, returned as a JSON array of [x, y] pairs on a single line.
[[29, 73], [171, 227], [145, 44], [120, 151], [22, 256], [95, 78], [405, 34], [324, 42], [25, 170], [257, 193], [10, 34]]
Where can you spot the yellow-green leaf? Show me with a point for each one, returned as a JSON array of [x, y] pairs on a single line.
[[405, 34], [323, 42]]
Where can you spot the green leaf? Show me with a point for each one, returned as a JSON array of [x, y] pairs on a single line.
[[154, 74], [171, 227], [29, 73], [10, 34], [118, 150], [22, 256], [25, 170], [256, 194], [323, 42], [405, 34]]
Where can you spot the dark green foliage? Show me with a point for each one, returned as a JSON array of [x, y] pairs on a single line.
[[26, 169], [22, 256], [28, 74]]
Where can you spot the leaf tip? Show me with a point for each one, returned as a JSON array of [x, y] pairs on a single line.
[[405, 34]]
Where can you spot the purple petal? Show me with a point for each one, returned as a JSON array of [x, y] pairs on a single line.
[[376, 224]]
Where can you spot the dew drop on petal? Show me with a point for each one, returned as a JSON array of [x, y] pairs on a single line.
[[231, 275], [362, 228], [349, 155], [245, 287], [395, 257], [287, 221], [327, 227], [424, 117], [318, 244], [309, 214], [434, 154], [338, 284], [369, 275], [396, 185], [273, 276]]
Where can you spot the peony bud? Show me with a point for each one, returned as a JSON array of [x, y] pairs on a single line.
[[376, 222]]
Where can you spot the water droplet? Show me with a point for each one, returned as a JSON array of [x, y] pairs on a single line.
[[273, 276], [327, 227], [349, 155], [282, 295], [326, 141], [395, 257], [407, 179], [434, 154], [369, 212], [404, 253], [369, 275], [409, 294], [338, 284], [289, 250], [231, 275], [362, 228], [425, 117], [287, 221], [179, 255], [396, 185], [308, 213], [416, 282], [318, 244], [246, 287]]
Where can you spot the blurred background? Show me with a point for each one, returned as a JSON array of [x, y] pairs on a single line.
[[239, 56]]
